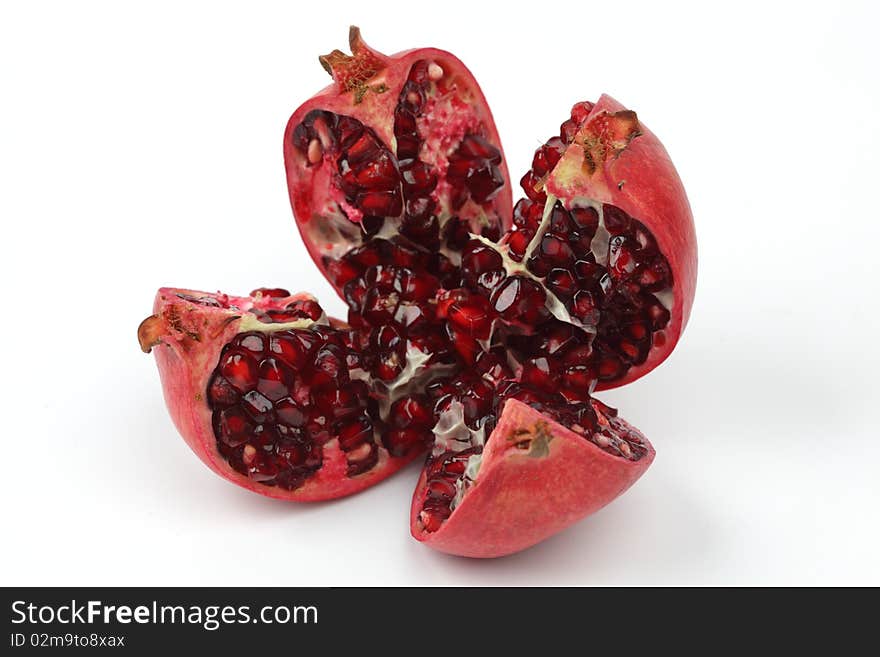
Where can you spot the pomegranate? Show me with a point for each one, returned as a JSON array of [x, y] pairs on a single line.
[[545, 466], [273, 395], [476, 331]]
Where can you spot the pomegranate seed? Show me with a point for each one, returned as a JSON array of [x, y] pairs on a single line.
[[315, 151], [389, 365], [221, 393], [305, 309], [355, 433], [537, 372], [431, 520], [521, 300], [400, 442], [418, 178], [257, 406], [405, 123], [289, 412], [474, 316], [276, 379], [586, 219], [518, 242], [475, 147], [465, 345], [362, 460], [385, 203], [408, 146], [584, 307], [240, 370], [253, 342], [410, 411], [441, 488], [616, 220], [380, 172], [561, 282], [364, 149], [478, 259]]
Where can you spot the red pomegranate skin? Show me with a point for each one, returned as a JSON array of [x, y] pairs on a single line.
[[615, 159], [523, 496], [187, 341], [309, 187]]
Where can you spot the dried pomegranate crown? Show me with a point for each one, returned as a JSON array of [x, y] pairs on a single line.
[[476, 331]]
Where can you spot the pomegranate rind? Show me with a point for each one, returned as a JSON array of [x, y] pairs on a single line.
[[376, 110], [616, 159], [187, 340], [525, 494]]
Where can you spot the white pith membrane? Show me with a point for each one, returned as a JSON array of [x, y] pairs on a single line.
[[244, 307]]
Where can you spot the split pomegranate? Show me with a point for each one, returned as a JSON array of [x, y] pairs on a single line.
[[476, 330]]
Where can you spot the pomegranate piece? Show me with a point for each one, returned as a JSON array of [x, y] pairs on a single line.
[[533, 477], [401, 145], [278, 406]]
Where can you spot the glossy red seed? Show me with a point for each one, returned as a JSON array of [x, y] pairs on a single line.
[[257, 406], [275, 379], [388, 365], [538, 372], [477, 147], [364, 460], [253, 342], [306, 309], [585, 307], [561, 282], [473, 316], [485, 183], [410, 411], [289, 412], [240, 370], [522, 301], [293, 347], [365, 148], [355, 433], [419, 178], [385, 203], [441, 488], [400, 442], [517, 243], [221, 393]]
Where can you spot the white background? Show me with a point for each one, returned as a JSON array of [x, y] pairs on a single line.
[[141, 148]]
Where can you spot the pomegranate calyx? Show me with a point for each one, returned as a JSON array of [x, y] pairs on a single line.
[[150, 333], [606, 136], [352, 72]]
